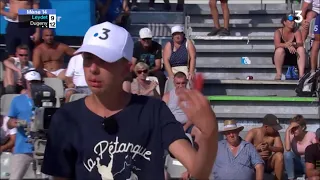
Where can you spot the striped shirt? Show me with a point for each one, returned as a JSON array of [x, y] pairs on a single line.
[[239, 167]]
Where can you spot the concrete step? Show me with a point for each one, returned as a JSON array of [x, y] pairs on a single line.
[[238, 51], [250, 87], [229, 59], [233, 42], [158, 17], [158, 29], [242, 16], [253, 108], [261, 29]]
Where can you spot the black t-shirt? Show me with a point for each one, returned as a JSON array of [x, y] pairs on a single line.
[[147, 56], [312, 154], [78, 147]]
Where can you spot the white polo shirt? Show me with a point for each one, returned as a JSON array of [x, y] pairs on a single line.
[[75, 70], [315, 5]]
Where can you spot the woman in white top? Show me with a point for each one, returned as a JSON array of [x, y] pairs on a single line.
[[7, 136]]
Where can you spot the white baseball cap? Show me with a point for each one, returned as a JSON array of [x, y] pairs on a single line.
[[32, 76], [176, 29], [107, 41], [145, 33]]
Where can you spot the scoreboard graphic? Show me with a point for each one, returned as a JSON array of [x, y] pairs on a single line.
[[40, 18]]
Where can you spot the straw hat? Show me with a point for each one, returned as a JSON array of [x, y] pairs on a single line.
[[230, 125]]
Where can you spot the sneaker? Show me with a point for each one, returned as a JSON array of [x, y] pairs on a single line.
[[214, 31], [152, 9], [224, 32]]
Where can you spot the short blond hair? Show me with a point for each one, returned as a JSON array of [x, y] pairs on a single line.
[[141, 65]]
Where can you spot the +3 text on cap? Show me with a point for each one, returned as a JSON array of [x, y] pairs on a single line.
[[107, 41], [145, 33]]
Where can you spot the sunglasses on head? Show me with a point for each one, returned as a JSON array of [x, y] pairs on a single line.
[[142, 71]]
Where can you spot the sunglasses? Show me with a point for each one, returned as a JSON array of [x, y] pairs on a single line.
[[142, 71], [23, 55]]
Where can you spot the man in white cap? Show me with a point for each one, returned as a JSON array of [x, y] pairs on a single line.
[[21, 108], [112, 134], [150, 52]]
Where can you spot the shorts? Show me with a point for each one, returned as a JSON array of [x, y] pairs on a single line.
[[80, 90], [16, 36], [316, 30], [56, 72], [289, 59]]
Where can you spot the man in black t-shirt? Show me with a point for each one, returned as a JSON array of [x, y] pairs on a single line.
[[150, 52], [312, 157], [112, 134]]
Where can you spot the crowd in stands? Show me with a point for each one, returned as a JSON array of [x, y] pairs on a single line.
[[262, 150]]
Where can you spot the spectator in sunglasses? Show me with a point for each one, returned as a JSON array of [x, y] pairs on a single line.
[[141, 85], [14, 66], [297, 138]]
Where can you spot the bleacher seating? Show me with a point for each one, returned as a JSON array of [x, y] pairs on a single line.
[[57, 85], [5, 103], [1, 71]]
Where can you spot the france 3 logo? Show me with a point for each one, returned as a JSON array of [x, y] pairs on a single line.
[[297, 18]]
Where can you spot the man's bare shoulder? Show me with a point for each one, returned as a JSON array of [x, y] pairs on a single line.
[[39, 47], [254, 130]]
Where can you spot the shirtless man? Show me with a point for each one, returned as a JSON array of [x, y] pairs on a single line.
[[16, 35], [49, 55], [268, 143]]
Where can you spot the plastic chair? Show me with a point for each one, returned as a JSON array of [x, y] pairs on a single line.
[[152, 78], [75, 97], [6, 102], [174, 167], [57, 85]]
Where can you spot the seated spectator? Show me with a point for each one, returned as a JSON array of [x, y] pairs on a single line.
[[297, 138], [171, 99], [111, 10], [308, 14], [267, 141], [140, 84], [150, 52], [236, 158], [7, 136], [288, 47], [179, 54], [75, 79], [14, 66], [313, 159], [49, 55], [166, 6], [315, 45]]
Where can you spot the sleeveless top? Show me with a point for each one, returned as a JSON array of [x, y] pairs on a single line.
[[282, 40], [180, 56], [137, 87], [175, 109]]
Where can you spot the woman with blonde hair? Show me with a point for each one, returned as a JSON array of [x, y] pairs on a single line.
[[141, 85], [297, 138]]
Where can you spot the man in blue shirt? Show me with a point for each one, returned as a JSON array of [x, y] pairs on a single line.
[[112, 134], [315, 45], [21, 109]]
